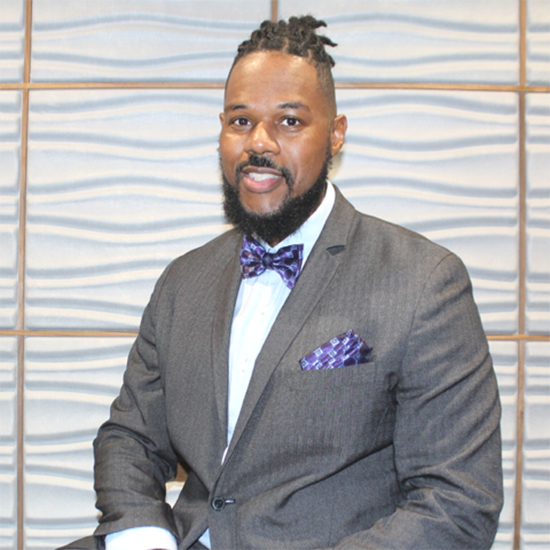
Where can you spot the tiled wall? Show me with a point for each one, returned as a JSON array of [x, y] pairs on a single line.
[[108, 170]]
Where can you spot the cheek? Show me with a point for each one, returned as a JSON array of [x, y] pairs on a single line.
[[307, 163], [228, 159], [229, 144]]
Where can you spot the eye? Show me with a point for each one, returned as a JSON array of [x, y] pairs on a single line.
[[240, 121], [290, 121]]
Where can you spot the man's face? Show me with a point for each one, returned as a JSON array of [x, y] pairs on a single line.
[[275, 109]]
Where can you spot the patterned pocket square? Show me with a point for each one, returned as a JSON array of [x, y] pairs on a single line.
[[342, 351]]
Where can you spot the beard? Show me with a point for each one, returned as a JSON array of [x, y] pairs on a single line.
[[291, 214]]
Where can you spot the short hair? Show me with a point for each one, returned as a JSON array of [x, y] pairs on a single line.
[[297, 37]]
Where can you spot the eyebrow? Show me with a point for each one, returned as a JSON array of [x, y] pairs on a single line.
[[287, 105], [235, 106], [293, 105]]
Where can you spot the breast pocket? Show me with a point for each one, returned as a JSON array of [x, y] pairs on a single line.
[[343, 379], [328, 410]]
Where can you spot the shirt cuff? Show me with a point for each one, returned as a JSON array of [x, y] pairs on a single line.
[[141, 538]]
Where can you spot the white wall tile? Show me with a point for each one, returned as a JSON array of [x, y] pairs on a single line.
[[8, 442], [535, 527], [12, 40], [538, 213], [10, 151], [69, 386], [119, 184], [140, 40], [505, 360], [419, 40], [444, 164], [538, 42]]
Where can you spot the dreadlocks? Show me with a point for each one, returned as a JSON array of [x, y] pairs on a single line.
[[297, 37]]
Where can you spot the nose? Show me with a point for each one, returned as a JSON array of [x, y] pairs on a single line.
[[262, 140]]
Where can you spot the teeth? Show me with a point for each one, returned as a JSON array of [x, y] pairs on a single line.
[[260, 177]]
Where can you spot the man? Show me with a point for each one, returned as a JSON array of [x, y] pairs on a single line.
[[336, 394]]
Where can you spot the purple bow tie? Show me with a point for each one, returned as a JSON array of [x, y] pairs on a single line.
[[287, 261]]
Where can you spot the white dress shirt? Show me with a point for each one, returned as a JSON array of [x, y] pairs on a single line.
[[258, 303]]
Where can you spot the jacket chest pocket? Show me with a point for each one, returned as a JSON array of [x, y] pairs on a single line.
[[335, 407]]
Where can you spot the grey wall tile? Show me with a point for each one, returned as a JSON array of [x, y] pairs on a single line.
[[12, 40], [140, 40], [10, 151], [419, 40], [444, 165], [119, 184], [538, 213]]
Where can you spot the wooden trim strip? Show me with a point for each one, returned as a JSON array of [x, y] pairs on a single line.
[[522, 271], [460, 87], [134, 333], [520, 337], [84, 333], [21, 315], [20, 443], [274, 11], [28, 41], [522, 216], [21, 280], [108, 85], [22, 210]]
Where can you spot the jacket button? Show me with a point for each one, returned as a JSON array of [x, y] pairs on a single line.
[[218, 504]]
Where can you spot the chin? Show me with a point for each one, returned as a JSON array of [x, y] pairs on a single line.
[[262, 209]]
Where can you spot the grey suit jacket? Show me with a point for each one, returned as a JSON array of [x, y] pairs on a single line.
[[399, 452]]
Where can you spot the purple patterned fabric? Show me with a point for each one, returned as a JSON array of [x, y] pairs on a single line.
[[342, 351], [287, 261]]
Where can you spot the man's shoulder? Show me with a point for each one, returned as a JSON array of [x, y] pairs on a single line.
[[204, 261], [378, 228]]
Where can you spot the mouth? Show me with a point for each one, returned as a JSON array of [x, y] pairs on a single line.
[[261, 179]]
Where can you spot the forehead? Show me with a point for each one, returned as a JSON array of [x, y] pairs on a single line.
[[263, 77]]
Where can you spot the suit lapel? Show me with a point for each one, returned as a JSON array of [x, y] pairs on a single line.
[[324, 259], [226, 296]]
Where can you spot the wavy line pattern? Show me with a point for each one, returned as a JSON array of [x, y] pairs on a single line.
[[536, 448], [131, 40], [538, 42], [10, 144], [8, 442], [121, 182], [444, 165], [109, 210], [538, 213], [419, 40], [69, 386], [96, 243], [12, 41], [505, 359]]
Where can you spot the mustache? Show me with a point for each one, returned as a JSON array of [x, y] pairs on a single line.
[[260, 161]]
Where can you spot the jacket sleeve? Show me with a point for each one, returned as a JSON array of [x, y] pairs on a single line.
[[447, 447], [133, 455]]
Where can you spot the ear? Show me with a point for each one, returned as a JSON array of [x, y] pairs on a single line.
[[338, 133]]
